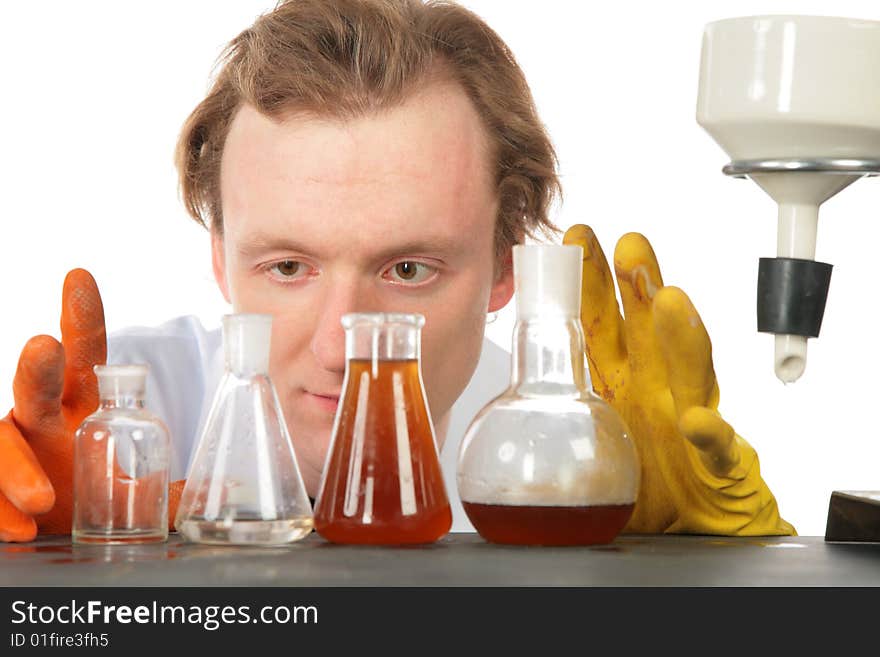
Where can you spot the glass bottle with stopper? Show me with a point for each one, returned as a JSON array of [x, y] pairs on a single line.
[[121, 464], [244, 486], [382, 482], [548, 462]]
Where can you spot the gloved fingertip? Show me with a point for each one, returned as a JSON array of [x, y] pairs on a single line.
[[79, 278], [672, 299], [15, 526], [41, 367], [22, 479], [632, 247], [704, 427], [680, 327], [635, 266], [706, 430], [19, 535], [578, 234], [36, 500], [81, 307]]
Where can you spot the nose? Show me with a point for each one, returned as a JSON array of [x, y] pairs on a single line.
[[328, 340]]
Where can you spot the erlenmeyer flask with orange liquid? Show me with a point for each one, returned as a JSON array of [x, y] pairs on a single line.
[[548, 462], [382, 483]]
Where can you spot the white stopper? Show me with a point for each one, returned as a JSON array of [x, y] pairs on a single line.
[[246, 341], [547, 279], [121, 380]]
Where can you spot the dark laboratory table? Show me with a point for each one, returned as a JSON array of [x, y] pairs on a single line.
[[455, 560]]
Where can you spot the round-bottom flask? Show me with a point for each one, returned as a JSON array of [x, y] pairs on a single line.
[[548, 462], [121, 464], [382, 482]]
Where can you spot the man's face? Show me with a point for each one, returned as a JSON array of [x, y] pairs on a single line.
[[393, 212]]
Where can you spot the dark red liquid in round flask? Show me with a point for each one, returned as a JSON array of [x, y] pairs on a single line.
[[548, 462]]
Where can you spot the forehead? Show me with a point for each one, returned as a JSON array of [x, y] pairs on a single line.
[[426, 161]]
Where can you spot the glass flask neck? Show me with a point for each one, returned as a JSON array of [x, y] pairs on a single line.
[[124, 400], [378, 336], [246, 343], [548, 357], [121, 386]]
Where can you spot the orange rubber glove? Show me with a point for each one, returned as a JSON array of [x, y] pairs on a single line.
[[54, 390], [655, 368]]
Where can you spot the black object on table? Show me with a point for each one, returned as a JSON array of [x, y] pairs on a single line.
[[853, 516]]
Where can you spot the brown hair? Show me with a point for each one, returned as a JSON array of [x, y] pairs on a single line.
[[345, 58]]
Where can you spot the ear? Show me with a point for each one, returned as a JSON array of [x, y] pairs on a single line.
[[218, 260], [502, 289]]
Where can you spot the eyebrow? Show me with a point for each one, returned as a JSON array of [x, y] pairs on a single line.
[[440, 244], [260, 243]]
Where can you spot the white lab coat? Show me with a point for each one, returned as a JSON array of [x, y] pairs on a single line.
[[186, 364]]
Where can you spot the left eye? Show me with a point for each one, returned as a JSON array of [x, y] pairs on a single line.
[[410, 272]]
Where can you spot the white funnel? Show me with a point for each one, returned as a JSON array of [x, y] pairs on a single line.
[[795, 103]]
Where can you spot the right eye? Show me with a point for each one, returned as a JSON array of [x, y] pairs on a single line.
[[287, 270]]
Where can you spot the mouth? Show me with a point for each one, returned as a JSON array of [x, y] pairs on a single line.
[[325, 402]]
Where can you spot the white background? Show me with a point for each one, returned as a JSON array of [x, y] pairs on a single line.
[[92, 95]]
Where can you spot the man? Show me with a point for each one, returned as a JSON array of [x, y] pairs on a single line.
[[384, 155]]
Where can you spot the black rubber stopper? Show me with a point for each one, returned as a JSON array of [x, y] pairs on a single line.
[[791, 295]]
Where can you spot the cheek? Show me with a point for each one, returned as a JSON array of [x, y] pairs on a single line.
[[291, 339], [451, 345], [292, 325], [252, 292], [249, 292]]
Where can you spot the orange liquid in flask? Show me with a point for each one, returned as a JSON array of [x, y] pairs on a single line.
[[383, 483]]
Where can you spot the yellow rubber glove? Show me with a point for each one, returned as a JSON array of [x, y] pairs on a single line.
[[655, 368]]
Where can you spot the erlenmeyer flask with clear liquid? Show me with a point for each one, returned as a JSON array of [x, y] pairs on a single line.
[[548, 462], [244, 486], [382, 482]]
